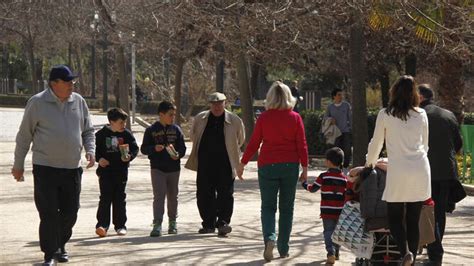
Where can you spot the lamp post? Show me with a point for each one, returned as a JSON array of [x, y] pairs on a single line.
[[95, 28], [134, 94]]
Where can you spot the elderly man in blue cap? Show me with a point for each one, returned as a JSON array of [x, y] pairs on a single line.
[[58, 123]]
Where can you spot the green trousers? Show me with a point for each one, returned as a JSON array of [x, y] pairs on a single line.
[[278, 181]]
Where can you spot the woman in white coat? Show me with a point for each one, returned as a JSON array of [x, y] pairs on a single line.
[[404, 128]]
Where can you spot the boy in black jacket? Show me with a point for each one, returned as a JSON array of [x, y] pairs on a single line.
[[115, 148], [163, 142]]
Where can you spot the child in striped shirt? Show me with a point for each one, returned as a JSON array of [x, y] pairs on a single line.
[[333, 186]]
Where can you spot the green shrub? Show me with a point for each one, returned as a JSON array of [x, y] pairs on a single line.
[[148, 107], [14, 100], [459, 159], [312, 120], [469, 118]]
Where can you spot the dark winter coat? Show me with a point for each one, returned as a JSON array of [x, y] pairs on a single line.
[[444, 142]]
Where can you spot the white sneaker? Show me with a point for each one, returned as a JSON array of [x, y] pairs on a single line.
[[121, 231]]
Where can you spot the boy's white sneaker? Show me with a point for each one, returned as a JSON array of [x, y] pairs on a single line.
[[121, 231]]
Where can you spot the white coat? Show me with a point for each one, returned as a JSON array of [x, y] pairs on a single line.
[[408, 172]]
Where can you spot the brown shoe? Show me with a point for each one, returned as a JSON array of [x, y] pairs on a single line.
[[331, 259], [101, 231], [268, 252]]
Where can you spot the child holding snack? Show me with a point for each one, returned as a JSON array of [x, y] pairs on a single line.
[[115, 148], [163, 142]]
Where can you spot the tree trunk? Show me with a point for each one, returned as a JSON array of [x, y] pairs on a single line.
[[39, 74], [220, 67], [178, 81], [31, 58], [359, 105], [69, 54], [245, 96], [255, 70], [385, 87], [166, 70], [410, 64], [5, 59], [451, 86], [123, 84], [78, 56]]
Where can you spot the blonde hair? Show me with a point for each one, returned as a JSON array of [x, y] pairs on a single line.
[[279, 97]]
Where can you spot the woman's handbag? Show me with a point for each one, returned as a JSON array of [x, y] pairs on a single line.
[[350, 231]]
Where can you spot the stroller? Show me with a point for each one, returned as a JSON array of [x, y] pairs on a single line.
[[368, 190]]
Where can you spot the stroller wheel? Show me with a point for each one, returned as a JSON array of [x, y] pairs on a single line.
[[362, 262]]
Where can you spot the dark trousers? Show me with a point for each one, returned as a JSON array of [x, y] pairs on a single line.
[[439, 194], [344, 142], [56, 193], [215, 200], [112, 192], [403, 220]]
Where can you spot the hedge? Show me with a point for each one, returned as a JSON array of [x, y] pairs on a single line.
[[312, 120]]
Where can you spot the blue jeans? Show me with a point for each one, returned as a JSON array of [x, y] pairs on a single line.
[[329, 225]]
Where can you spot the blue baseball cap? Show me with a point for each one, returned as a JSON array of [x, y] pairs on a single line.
[[61, 72]]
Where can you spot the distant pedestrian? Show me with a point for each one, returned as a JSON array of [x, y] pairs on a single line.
[[217, 136], [163, 142], [115, 149], [279, 133], [58, 122], [340, 113], [295, 92]]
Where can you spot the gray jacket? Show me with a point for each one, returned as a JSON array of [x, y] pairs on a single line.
[[342, 114], [372, 207], [58, 131]]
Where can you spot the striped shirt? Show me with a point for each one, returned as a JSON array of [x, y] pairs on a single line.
[[333, 186]]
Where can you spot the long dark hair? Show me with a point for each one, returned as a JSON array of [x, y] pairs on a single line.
[[403, 98]]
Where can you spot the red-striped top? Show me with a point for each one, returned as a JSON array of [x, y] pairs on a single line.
[[333, 185]]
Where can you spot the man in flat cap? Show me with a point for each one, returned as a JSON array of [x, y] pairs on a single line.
[[217, 136], [58, 123]]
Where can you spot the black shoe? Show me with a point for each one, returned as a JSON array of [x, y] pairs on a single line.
[[206, 230], [434, 263], [48, 262], [224, 229], [61, 255], [337, 254], [282, 256]]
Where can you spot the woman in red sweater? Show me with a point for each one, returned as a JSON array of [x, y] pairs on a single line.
[[280, 132]]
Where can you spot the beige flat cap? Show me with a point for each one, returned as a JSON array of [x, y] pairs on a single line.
[[216, 97]]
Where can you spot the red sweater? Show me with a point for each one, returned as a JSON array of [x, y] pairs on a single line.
[[281, 133]]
